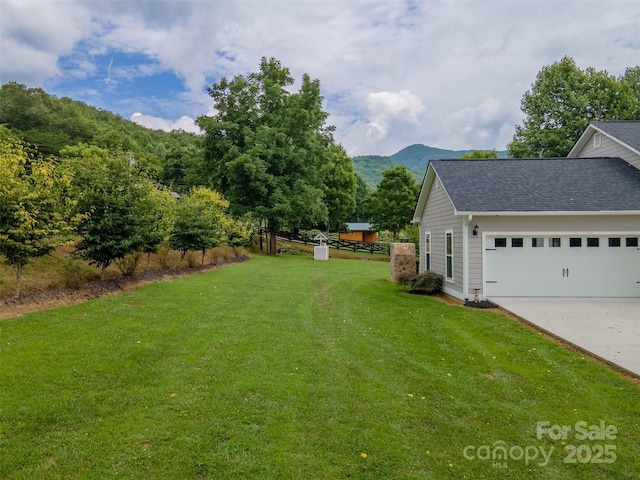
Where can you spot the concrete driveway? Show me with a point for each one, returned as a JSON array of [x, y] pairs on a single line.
[[609, 328]]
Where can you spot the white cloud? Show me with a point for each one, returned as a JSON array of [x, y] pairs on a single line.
[[443, 73], [479, 127], [34, 34], [183, 123]]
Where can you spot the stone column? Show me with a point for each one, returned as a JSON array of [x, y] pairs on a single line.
[[403, 259]]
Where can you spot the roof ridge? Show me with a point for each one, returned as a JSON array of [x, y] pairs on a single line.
[[521, 159]]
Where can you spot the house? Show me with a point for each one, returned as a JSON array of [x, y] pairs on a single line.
[[360, 232], [610, 139], [547, 227]]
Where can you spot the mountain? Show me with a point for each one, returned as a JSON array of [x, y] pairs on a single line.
[[415, 157], [370, 168]]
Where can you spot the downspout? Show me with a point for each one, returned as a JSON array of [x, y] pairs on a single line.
[[465, 256]]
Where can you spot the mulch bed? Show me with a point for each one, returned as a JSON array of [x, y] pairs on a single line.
[[481, 304], [65, 296]]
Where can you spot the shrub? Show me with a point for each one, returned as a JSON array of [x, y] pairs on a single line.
[[73, 275], [426, 282], [163, 254], [128, 264], [288, 249], [191, 259]]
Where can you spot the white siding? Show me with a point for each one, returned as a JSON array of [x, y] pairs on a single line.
[[608, 148], [437, 218]]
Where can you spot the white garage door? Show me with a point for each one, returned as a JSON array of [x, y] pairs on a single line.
[[562, 266]]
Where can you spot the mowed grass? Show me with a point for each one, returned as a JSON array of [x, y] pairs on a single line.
[[290, 368]]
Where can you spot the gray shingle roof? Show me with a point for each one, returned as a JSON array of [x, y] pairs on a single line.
[[538, 185], [627, 132]]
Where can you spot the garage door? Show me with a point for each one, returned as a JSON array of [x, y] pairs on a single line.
[[562, 266]]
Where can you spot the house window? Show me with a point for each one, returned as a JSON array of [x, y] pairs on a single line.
[[427, 250], [449, 255], [632, 241], [597, 140], [614, 241], [554, 242], [593, 242], [517, 242], [537, 242], [500, 242], [575, 242]]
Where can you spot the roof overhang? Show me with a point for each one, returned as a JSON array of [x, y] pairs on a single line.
[[427, 184], [548, 213]]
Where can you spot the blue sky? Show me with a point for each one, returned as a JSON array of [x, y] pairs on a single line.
[[448, 74]]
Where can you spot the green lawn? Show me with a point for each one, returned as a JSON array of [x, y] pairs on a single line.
[[291, 368]]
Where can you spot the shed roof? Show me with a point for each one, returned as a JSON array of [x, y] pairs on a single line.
[[360, 227], [540, 185]]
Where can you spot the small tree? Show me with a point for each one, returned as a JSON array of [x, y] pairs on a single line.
[[161, 218], [34, 204], [238, 232], [391, 205], [199, 223], [120, 215]]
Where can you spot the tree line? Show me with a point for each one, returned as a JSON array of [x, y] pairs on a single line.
[[109, 203], [267, 158]]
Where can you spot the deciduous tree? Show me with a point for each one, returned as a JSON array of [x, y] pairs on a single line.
[[265, 147], [35, 204], [564, 99], [339, 181], [199, 222], [121, 211], [391, 205]]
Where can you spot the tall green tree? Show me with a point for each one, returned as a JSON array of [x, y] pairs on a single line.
[[339, 185], [200, 222], [265, 146], [390, 206], [564, 99], [119, 206], [362, 192], [35, 204]]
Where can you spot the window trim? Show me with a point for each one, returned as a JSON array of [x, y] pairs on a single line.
[[615, 240], [575, 242], [535, 243], [449, 266], [502, 240], [427, 250]]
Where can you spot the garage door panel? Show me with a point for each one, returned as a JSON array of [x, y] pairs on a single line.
[[578, 271]]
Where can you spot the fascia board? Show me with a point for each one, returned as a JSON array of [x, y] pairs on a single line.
[[548, 213]]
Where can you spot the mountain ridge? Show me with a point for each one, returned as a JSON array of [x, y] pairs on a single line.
[[415, 157]]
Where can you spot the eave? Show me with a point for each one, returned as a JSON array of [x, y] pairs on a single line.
[[546, 213]]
